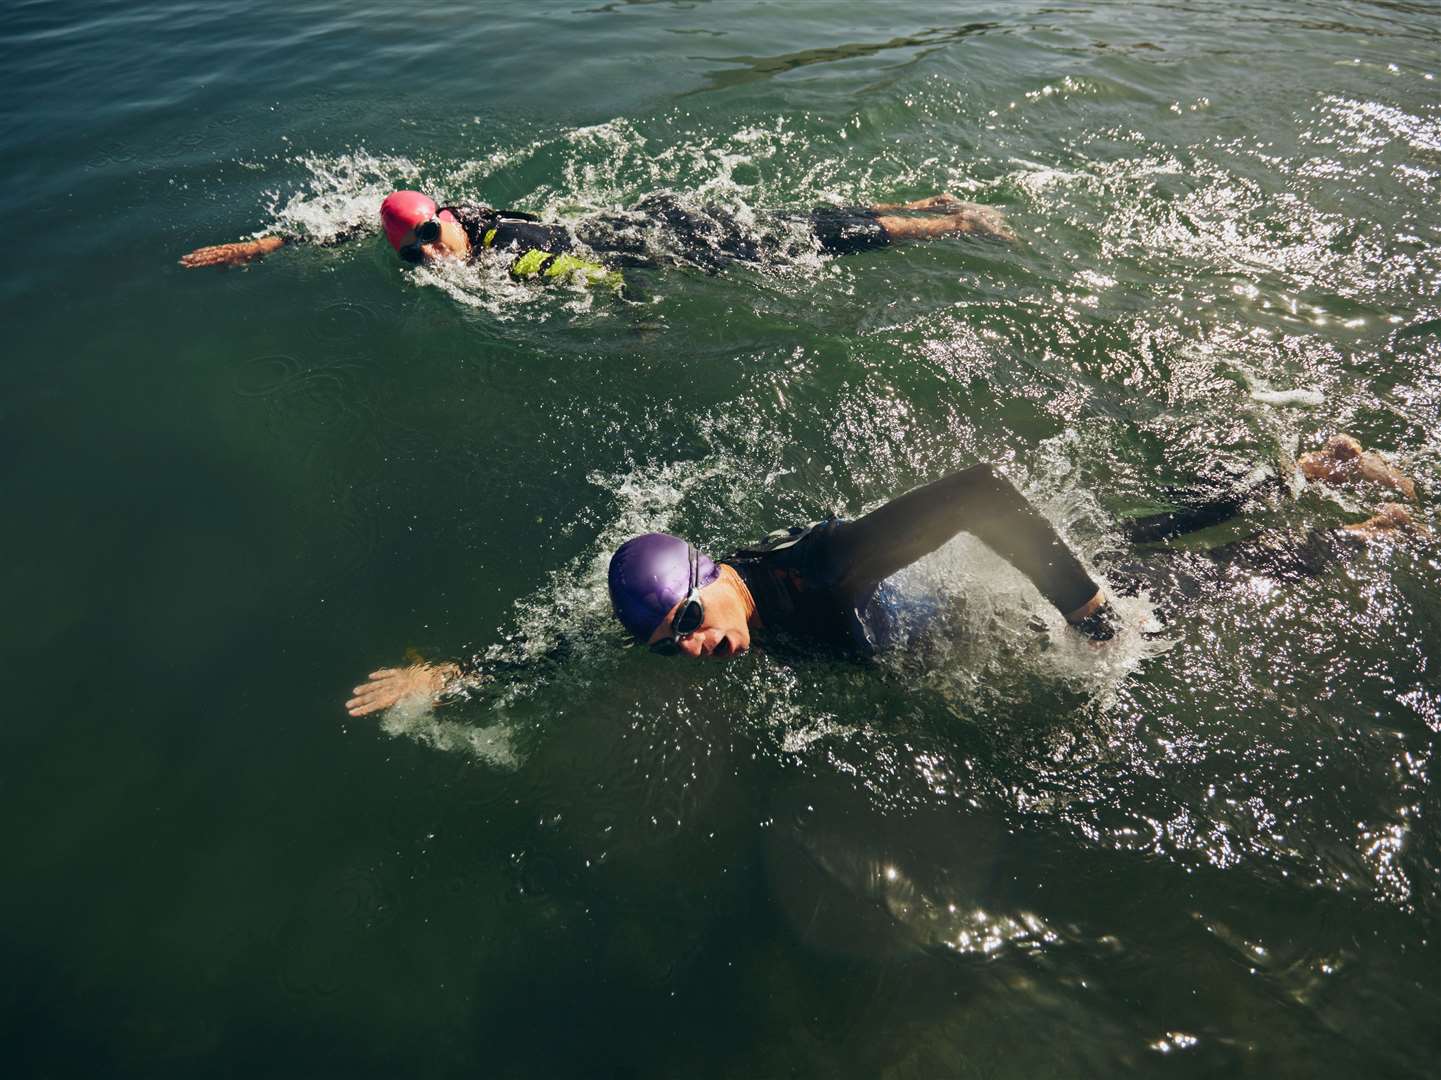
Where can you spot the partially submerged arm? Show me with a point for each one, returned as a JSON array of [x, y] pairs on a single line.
[[244, 251], [433, 683], [236, 254], [386, 687], [1343, 459]]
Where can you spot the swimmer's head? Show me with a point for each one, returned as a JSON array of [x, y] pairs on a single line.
[[675, 599], [649, 575], [407, 217]]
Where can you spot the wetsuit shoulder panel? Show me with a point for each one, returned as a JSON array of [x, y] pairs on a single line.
[[508, 230], [800, 586]]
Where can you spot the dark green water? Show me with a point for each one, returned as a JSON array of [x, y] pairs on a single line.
[[228, 495]]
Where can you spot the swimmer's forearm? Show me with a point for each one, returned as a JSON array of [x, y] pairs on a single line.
[[1376, 469], [460, 680], [235, 254], [1089, 608]]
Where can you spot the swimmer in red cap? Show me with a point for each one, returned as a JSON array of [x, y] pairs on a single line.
[[658, 229]]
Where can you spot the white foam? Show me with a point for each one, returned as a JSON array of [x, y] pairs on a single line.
[[1298, 397], [344, 191], [414, 718]]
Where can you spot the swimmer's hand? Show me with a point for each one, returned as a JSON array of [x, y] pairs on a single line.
[[389, 685], [236, 254]]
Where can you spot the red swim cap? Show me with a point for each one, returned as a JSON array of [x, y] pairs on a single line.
[[404, 210]]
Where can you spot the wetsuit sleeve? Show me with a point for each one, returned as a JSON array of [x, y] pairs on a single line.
[[1194, 513], [503, 666], [343, 235], [979, 501], [1285, 556]]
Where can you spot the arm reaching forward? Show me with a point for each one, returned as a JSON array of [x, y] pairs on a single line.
[[434, 682], [236, 254], [385, 687]]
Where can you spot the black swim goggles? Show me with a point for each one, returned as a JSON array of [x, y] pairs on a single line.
[[427, 232], [691, 613]]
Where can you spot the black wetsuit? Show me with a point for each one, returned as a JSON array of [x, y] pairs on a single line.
[[502, 230], [825, 586], [709, 238]]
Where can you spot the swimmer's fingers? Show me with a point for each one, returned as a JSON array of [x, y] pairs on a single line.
[[388, 685], [369, 703], [385, 688], [364, 707], [987, 220], [1400, 483]]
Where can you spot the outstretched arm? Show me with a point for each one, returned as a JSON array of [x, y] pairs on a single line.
[[432, 682], [244, 251], [984, 503], [236, 254], [944, 201], [386, 687]]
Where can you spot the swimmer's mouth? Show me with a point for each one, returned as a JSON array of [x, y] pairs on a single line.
[[725, 649]]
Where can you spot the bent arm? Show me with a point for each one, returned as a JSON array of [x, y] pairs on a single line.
[[984, 503]]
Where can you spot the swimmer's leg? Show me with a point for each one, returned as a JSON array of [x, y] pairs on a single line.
[[1389, 519], [946, 216], [1344, 459]]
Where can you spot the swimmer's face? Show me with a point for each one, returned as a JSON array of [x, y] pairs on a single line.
[[451, 244], [723, 633]]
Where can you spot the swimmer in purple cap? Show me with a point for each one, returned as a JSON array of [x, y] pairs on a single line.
[[820, 585], [824, 585]]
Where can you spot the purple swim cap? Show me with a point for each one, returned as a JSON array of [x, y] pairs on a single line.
[[649, 575]]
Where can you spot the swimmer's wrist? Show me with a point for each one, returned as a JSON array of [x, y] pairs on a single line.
[[450, 682], [1089, 608]]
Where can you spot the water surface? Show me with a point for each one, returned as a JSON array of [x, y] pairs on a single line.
[[233, 493]]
